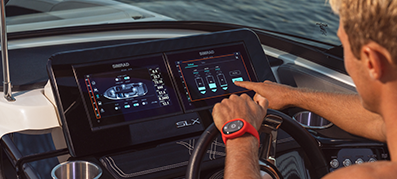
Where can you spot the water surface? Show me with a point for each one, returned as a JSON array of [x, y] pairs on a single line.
[[312, 19]]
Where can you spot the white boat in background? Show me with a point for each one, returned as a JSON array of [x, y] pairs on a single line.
[[148, 124]]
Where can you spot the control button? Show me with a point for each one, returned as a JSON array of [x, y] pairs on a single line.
[[237, 79], [334, 163], [347, 162], [235, 73], [359, 161], [372, 160]]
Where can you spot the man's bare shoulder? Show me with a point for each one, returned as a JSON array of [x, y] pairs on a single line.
[[380, 169]]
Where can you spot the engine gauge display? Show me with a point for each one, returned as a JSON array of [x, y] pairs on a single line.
[[123, 92]]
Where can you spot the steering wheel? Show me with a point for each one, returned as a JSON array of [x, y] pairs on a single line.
[[296, 131]]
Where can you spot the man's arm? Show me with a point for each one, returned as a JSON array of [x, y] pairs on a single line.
[[242, 158], [242, 152], [344, 110]]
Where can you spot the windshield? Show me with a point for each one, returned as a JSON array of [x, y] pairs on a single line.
[[312, 19]]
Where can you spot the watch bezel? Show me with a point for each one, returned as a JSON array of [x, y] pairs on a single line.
[[245, 128], [230, 123]]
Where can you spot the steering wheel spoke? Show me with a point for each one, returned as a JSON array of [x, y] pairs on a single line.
[[268, 131]]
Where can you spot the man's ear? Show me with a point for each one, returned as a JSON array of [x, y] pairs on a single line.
[[375, 59]]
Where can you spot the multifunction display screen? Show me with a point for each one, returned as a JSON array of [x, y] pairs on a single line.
[[205, 76], [127, 91]]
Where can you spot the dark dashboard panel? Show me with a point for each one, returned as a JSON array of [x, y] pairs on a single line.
[[120, 96]]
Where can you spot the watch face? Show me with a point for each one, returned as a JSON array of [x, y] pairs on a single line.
[[233, 127]]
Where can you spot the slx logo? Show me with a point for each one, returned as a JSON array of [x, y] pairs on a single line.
[[187, 123]]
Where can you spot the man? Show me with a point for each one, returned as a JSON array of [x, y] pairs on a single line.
[[367, 31]]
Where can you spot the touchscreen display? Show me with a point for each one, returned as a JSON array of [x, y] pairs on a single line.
[[126, 91], [206, 76]]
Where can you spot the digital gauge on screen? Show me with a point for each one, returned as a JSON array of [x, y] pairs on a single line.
[[206, 76], [126, 91]]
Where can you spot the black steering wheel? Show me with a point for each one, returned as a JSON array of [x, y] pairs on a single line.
[[296, 131]]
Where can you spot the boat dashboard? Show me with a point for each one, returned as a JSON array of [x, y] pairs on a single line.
[[136, 109], [123, 92]]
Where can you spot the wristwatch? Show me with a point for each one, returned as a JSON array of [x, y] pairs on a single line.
[[236, 128]]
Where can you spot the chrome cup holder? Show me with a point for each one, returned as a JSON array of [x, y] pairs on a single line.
[[311, 120], [76, 169]]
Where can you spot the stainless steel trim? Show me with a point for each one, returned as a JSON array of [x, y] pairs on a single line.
[[269, 170], [76, 169], [290, 58], [311, 118], [269, 128], [4, 54]]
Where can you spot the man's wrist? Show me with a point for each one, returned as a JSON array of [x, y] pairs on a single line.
[[236, 128], [245, 140], [295, 97]]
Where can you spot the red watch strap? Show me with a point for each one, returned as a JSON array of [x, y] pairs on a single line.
[[247, 128]]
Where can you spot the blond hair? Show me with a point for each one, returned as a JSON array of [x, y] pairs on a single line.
[[369, 20]]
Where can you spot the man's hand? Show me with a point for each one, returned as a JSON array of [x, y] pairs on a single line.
[[251, 110], [242, 152], [277, 94]]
